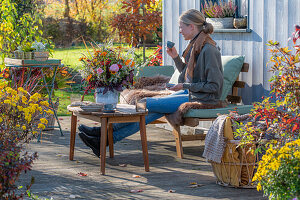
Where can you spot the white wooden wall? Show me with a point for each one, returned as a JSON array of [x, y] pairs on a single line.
[[269, 20]]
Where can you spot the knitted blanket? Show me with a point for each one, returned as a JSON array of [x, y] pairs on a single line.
[[214, 141]]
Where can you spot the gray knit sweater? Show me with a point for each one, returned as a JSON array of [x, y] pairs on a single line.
[[207, 83]]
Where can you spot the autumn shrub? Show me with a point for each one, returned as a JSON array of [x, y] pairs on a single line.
[[280, 112], [18, 125]]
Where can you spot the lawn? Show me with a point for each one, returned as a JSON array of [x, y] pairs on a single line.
[[70, 56], [65, 99]]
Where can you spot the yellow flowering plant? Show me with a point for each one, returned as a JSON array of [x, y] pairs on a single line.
[[278, 172], [18, 124], [106, 67]]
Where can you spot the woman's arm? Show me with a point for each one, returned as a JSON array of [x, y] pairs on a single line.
[[178, 62], [211, 59]]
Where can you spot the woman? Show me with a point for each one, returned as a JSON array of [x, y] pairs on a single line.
[[200, 80]]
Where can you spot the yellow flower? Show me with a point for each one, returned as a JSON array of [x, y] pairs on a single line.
[[258, 187], [44, 103], [41, 126], [44, 121], [24, 127], [49, 112], [1, 120], [24, 99]]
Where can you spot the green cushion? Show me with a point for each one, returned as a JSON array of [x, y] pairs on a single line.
[[149, 71], [213, 113], [232, 66]]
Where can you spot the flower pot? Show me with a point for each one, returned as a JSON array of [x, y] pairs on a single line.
[[28, 55], [41, 56], [109, 97], [240, 22], [221, 23]]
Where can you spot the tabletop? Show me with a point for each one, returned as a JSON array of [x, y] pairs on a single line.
[[121, 111]]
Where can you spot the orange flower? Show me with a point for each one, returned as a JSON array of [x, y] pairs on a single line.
[[127, 62], [113, 72], [80, 59], [89, 77], [103, 53], [132, 64]]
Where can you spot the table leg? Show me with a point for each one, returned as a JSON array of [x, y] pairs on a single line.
[[110, 141], [103, 144], [144, 142], [72, 136]]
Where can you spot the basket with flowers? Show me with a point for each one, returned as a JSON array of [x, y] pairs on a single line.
[[106, 68]]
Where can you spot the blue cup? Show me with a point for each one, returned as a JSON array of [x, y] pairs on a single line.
[[170, 44], [108, 107]]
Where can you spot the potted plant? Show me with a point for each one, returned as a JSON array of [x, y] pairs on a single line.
[[279, 169], [24, 51], [40, 51], [219, 14], [108, 72]]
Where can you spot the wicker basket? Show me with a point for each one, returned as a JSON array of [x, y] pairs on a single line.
[[237, 167]]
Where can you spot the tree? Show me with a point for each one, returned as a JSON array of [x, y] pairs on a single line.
[[140, 18], [19, 24]]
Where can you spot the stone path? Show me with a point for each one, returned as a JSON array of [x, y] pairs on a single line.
[[58, 178]]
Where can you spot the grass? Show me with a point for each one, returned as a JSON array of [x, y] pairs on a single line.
[[65, 99], [70, 56]]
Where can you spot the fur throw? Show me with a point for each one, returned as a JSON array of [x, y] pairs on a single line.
[[176, 118], [154, 86], [152, 83], [132, 96]]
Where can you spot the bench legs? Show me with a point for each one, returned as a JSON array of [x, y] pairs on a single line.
[[177, 135]]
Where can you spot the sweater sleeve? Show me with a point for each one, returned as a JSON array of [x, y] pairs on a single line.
[[179, 64], [213, 73]]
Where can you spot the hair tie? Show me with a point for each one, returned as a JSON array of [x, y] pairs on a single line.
[[204, 23]]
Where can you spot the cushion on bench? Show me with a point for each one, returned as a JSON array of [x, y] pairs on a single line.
[[232, 66], [150, 71], [213, 113]]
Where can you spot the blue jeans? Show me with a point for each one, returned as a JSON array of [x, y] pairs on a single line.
[[157, 107]]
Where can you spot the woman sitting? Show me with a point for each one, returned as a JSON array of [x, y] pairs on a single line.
[[200, 80]]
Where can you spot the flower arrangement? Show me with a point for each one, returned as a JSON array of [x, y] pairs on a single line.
[[218, 10], [18, 111], [105, 67]]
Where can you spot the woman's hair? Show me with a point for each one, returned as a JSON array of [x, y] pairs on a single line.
[[195, 17]]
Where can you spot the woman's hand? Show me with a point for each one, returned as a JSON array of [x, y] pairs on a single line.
[[177, 87], [172, 52]]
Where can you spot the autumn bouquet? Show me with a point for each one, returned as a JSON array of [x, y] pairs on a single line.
[[104, 67]]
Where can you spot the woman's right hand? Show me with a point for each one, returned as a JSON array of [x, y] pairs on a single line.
[[172, 52]]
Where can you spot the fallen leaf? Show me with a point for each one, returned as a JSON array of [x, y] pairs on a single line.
[[81, 174], [60, 119], [197, 185], [193, 183], [136, 176], [172, 191], [59, 155], [77, 161], [123, 165], [96, 123], [136, 191]]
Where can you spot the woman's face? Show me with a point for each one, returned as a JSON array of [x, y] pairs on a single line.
[[186, 30]]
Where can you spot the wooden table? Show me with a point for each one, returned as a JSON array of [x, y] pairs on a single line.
[[124, 113]]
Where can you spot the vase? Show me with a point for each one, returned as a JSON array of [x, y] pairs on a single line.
[[221, 23], [109, 98]]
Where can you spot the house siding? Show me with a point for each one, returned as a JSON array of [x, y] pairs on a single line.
[[268, 20]]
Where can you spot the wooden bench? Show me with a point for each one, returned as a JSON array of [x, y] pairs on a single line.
[[194, 116]]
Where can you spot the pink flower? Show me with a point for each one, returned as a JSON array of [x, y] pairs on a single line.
[[114, 68], [99, 71]]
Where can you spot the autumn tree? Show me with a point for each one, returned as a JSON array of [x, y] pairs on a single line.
[[140, 18]]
